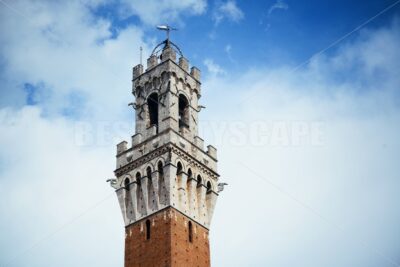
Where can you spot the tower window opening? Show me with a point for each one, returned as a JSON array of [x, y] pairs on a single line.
[[152, 103], [190, 232], [199, 181], [148, 172], [126, 183], [160, 169], [189, 174], [138, 179], [183, 112], [179, 168], [147, 229], [209, 187]]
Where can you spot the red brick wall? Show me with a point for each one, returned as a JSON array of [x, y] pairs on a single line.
[[168, 244]]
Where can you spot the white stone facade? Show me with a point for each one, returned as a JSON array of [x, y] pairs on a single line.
[[166, 164]]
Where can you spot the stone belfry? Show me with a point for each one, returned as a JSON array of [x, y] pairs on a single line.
[[166, 181]]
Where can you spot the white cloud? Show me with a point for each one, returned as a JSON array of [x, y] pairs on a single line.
[[167, 11], [348, 187], [46, 182], [228, 10], [46, 177], [351, 180], [228, 51], [213, 68], [68, 51], [279, 4]]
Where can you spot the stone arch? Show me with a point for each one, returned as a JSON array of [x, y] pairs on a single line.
[[127, 181], [148, 165], [160, 159], [185, 94], [179, 167], [199, 180], [181, 161], [138, 177], [190, 173], [209, 186]]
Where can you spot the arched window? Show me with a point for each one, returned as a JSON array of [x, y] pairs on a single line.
[[209, 187], [147, 229], [183, 112], [199, 180], [188, 182], [160, 169], [126, 183], [138, 179], [161, 183], [179, 168], [152, 103], [190, 232], [148, 172]]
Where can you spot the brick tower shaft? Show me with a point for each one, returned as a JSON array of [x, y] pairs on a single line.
[[172, 240]]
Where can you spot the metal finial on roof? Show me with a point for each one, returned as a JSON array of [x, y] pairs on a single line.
[[166, 28], [166, 42]]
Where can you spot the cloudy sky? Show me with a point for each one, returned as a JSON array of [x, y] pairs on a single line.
[[303, 104]]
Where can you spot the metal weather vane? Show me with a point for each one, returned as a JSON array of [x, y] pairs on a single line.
[[166, 28], [166, 42]]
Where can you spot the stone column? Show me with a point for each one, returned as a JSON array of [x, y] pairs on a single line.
[[145, 194], [134, 198], [169, 179], [211, 200], [121, 194], [154, 178], [182, 193], [192, 197], [201, 198]]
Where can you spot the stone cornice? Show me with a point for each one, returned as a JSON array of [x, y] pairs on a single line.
[[168, 147]]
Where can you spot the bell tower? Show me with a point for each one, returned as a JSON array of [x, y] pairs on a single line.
[[166, 181]]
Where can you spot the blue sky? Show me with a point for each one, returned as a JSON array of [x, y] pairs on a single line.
[[263, 33], [310, 153]]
